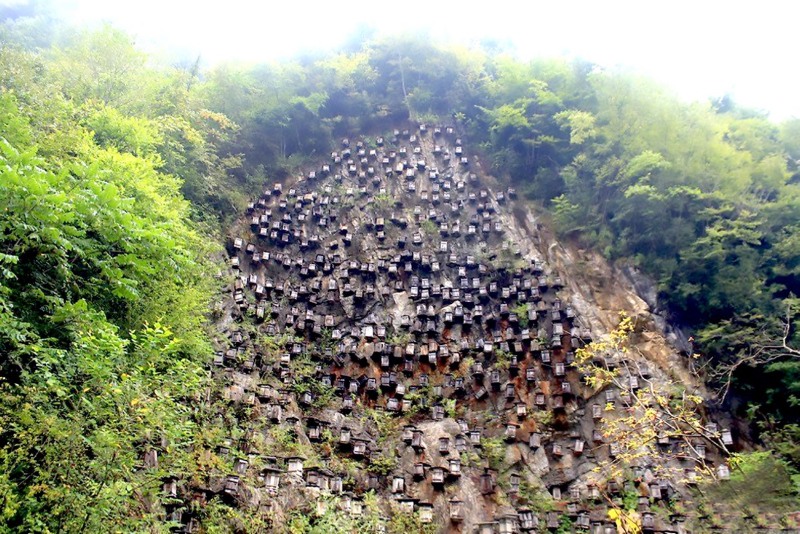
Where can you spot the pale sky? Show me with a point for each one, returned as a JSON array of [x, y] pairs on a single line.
[[698, 48]]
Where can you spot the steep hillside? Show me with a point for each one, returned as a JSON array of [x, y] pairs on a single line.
[[398, 324], [392, 341]]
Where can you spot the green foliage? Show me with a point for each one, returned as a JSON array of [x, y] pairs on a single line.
[[521, 310], [284, 441], [508, 260], [470, 459], [581, 125], [565, 525], [384, 422], [494, 450], [786, 442], [306, 380], [383, 201], [218, 517], [127, 134], [401, 523], [430, 228], [382, 465], [567, 215], [630, 500], [543, 418], [299, 523], [535, 497], [760, 480], [102, 65], [103, 291], [450, 406], [399, 338], [331, 517], [502, 360]]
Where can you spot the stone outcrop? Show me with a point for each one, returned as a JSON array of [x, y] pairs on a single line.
[[396, 310]]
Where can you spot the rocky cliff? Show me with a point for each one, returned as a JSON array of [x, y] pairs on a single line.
[[398, 323]]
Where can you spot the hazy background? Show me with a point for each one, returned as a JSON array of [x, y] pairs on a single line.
[[701, 49]]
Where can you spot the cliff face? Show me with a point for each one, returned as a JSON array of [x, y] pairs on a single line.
[[399, 323]]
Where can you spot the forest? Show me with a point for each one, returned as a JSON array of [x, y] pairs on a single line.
[[119, 176]]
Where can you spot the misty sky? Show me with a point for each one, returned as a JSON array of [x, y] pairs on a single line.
[[699, 48]]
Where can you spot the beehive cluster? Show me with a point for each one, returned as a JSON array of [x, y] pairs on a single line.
[[388, 274]]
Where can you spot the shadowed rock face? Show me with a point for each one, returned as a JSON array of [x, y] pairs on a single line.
[[397, 322]]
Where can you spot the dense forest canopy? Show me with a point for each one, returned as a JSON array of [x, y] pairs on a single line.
[[118, 176]]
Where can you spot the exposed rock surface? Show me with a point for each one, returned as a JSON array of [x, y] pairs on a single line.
[[395, 310]]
